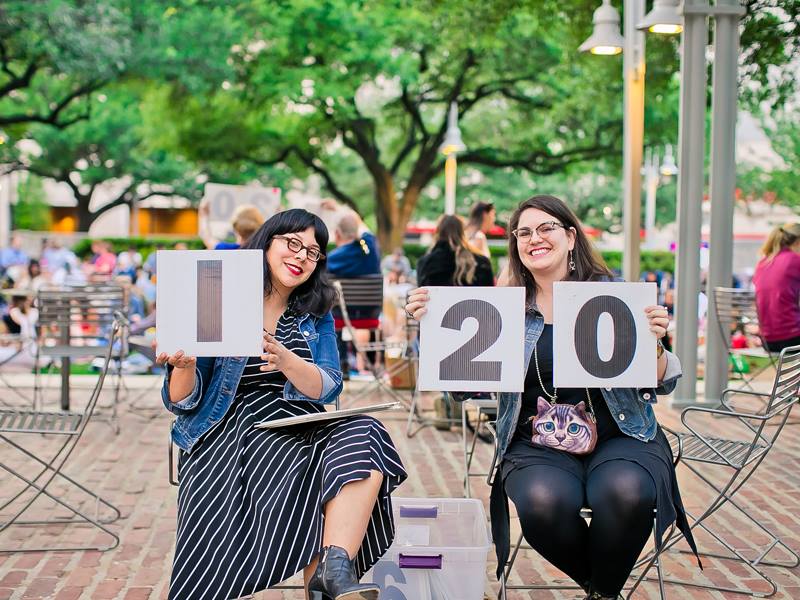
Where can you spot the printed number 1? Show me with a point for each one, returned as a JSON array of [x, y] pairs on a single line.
[[461, 364]]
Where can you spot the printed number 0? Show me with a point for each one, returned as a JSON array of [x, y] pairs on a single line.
[[586, 336], [460, 365]]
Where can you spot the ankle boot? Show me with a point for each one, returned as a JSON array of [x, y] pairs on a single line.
[[335, 578]]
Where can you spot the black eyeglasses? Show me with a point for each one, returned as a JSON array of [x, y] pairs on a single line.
[[544, 231], [295, 245]]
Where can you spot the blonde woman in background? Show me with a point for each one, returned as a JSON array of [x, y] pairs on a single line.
[[777, 283]]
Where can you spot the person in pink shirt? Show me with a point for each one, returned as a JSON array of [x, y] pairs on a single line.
[[104, 260], [777, 283]]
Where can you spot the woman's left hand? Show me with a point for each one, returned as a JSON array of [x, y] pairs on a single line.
[[658, 319], [275, 354]]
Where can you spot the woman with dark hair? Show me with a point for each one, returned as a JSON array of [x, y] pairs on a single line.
[[481, 221], [257, 505], [451, 260], [777, 283], [551, 462]]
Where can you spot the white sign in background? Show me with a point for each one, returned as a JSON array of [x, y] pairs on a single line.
[[472, 339], [224, 199], [210, 302], [601, 336]]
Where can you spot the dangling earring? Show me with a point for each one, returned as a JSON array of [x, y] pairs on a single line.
[[571, 263]]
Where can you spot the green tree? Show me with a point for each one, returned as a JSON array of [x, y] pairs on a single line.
[[106, 148], [31, 210]]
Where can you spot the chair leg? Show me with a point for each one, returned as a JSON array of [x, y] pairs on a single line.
[[467, 455], [76, 511], [57, 471]]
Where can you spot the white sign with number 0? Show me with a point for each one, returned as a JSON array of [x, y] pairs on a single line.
[[472, 339], [601, 336]]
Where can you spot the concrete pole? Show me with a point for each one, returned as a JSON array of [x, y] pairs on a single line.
[[651, 177], [450, 184], [633, 134], [6, 185], [723, 186], [691, 154]]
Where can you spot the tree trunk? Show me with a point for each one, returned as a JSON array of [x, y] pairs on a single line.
[[409, 203], [386, 212], [85, 216]]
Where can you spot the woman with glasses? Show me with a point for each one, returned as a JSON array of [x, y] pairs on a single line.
[[255, 506], [560, 450]]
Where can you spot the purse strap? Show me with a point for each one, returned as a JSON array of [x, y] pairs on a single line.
[[554, 396]]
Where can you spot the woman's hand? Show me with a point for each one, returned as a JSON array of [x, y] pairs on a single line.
[[275, 354], [658, 319], [179, 360], [417, 300]]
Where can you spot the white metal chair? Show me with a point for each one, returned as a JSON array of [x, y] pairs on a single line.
[[736, 308], [752, 434], [485, 416], [67, 428], [74, 323]]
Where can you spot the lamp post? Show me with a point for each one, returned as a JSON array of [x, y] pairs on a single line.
[[451, 146], [653, 172], [605, 39]]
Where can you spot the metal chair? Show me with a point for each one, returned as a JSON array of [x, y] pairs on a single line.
[[485, 416], [737, 459], [68, 427], [736, 308], [22, 345], [366, 293], [74, 323]]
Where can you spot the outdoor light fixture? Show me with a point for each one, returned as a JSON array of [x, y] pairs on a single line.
[[452, 137], [606, 38], [664, 18], [668, 167]]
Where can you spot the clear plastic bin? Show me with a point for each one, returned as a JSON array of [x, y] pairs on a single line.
[[439, 551]]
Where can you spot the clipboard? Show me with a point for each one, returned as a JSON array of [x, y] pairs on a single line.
[[327, 415]]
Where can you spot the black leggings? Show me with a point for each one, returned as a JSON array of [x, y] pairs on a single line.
[[599, 556]]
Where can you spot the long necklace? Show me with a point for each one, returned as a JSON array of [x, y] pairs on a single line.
[[554, 395]]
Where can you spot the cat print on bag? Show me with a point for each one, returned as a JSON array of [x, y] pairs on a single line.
[[564, 427]]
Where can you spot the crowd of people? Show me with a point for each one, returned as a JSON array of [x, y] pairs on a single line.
[[558, 449]]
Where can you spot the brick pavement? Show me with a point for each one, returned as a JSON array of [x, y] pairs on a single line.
[[130, 470]]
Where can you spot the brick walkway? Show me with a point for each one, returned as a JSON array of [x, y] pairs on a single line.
[[130, 469]]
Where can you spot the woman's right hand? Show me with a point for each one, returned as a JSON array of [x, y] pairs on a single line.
[[417, 301], [179, 360]]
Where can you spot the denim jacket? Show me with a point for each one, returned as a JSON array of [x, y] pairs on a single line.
[[631, 408], [217, 379]]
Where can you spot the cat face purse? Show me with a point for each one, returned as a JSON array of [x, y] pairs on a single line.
[[563, 427]]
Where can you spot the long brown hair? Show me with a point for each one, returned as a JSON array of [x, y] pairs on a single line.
[[589, 265], [780, 238], [450, 229]]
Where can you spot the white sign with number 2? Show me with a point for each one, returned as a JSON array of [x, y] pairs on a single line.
[[601, 336], [472, 339]]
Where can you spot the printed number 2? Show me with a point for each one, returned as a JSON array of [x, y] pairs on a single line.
[[624, 336], [460, 365]]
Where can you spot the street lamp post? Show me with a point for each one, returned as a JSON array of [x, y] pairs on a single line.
[[452, 145], [653, 171]]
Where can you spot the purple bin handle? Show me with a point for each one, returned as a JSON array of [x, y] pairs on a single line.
[[411, 561], [418, 512]]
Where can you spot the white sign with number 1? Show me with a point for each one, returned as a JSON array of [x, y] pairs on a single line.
[[472, 339]]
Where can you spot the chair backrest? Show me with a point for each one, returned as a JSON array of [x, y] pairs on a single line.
[[79, 316], [734, 306], [362, 293], [786, 386]]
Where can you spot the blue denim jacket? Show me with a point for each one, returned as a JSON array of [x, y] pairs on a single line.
[[217, 379], [631, 408]]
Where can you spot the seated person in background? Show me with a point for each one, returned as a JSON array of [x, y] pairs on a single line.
[[452, 260], [21, 318], [128, 261], [14, 255], [150, 264], [245, 222], [103, 262], [777, 283], [397, 262], [356, 255]]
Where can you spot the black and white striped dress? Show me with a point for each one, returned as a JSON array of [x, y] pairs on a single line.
[[250, 500]]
